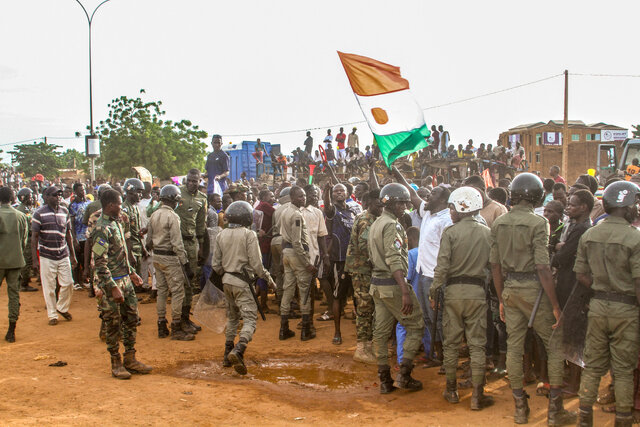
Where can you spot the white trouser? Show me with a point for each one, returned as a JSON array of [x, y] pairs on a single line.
[[50, 270], [146, 269], [342, 154]]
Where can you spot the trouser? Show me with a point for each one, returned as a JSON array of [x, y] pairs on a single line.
[[388, 306], [120, 319], [147, 269], [137, 264], [25, 272], [258, 155], [50, 270], [610, 341], [169, 277], [191, 247], [465, 317], [496, 329], [342, 154], [13, 290], [428, 315], [518, 304], [77, 272], [295, 274], [364, 306], [240, 305], [277, 270]]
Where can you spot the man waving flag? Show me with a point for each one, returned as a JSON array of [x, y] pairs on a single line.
[[395, 118]]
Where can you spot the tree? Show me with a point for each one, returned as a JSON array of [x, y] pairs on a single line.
[[135, 135], [35, 158], [636, 132], [73, 159]]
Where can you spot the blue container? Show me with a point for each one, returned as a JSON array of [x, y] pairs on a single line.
[[241, 159]]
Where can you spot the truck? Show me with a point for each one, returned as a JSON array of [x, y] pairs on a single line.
[[610, 164]]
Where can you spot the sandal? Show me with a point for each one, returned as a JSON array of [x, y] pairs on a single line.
[[325, 317], [337, 340], [542, 389]]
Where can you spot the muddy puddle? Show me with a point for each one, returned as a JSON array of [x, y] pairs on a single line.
[[320, 372]]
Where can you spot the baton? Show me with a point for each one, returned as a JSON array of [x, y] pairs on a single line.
[[253, 292], [311, 282], [536, 305]]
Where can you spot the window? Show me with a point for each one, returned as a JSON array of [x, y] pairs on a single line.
[[593, 137], [538, 138], [589, 136], [575, 137], [537, 157]]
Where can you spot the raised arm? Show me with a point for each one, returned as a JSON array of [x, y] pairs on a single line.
[[415, 199]]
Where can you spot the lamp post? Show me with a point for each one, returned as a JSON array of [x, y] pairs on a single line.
[[92, 144]]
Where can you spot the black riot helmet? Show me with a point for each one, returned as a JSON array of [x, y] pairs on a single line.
[[526, 186], [101, 189], [170, 193], [239, 212], [24, 194], [283, 196], [133, 185], [620, 194], [394, 192]]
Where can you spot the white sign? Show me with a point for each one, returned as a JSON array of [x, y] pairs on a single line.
[[609, 135], [92, 146]]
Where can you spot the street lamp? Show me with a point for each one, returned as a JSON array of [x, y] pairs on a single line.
[[92, 143]]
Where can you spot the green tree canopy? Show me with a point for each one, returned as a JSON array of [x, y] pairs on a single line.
[[135, 135], [37, 158], [73, 158], [636, 131]]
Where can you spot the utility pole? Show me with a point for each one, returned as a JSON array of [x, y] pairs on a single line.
[[566, 138]]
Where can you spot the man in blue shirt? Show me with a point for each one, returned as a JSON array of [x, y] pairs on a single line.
[[79, 230], [217, 165]]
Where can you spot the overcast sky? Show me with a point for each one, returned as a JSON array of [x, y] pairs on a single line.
[[246, 67]]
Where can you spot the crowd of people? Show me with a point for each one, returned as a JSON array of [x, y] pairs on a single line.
[[434, 269]]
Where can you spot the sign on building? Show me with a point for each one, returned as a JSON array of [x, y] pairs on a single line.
[[552, 138], [609, 135]]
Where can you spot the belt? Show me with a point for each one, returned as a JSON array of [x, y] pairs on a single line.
[[161, 252], [383, 282], [188, 238], [119, 277], [287, 245], [240, 276], [465, 280], [513, 275], [616, 297]]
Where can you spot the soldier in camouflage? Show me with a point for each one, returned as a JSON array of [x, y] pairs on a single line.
[[358, 265], [133, 189], [116, 278], [25, 196]]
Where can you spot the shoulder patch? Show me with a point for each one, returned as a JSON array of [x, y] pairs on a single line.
[[397, 244], [399, 227]]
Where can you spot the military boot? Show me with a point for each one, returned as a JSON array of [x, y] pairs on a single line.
[[185, 322], [228, 346], [386, 382], [404, 379], [236, 356], [585, 416], [117, 370], [178, 334], [163, 331], [362, 355], [307, 333], [451, 392], [556, 414], [478, 399], [521, 415], [285, 332], [11, 333], [133, 365], [623, 420], [193, 325], [102, 334]]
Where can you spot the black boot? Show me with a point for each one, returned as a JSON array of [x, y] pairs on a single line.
[[556, 414], [478, 399], [11, 333], [521, 416], [193, 325], [187, 326], [228, 346], [236, 356], [585, 416], [451, 392], [285, 332], [307, 333], [623, 420], [404, 379], [163, 331], [177, 333], [386, 383]]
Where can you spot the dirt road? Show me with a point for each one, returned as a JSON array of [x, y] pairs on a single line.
[[290, 383]]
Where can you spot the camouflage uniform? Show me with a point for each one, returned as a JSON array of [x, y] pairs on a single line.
[[25, 273], [132, 231], [193, 226], [357, 263], [113, 269], [90, 210]]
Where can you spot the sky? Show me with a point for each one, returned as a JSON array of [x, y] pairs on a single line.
[[254, 67]]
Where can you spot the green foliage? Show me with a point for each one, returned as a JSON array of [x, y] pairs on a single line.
[[71, 155], [37, 158], [636, 131], [135, 135]]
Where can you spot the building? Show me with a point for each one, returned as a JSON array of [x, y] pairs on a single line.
[[542, 143]]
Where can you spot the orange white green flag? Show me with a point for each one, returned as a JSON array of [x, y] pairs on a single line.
[[394, 117]]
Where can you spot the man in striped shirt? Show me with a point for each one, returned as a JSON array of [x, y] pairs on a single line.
[[52, 239]]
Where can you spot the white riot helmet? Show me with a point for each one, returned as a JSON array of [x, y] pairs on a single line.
[[466, 199]]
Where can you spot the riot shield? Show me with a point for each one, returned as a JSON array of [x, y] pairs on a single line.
[[570, 335], [211, 309]]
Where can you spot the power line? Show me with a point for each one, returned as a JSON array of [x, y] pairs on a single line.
[[604, 75], [39, 138]]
